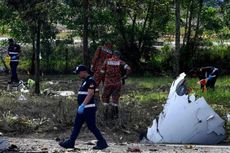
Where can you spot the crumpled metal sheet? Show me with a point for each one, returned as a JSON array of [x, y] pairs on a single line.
[[4, 144], [186, 120]]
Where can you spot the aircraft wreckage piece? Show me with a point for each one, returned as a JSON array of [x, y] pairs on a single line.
[[186, 119]]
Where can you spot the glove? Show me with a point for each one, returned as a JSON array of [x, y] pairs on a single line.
[[91, 68], [81, 108], [202, 82], [13, 57], [123, 79], [210, 77]]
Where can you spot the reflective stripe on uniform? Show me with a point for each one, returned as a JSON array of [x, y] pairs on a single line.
[[126, 66], [14, 60], [82, 92], [114, 104], [116, 63], [90, 105], [13, 53], [105, 104]]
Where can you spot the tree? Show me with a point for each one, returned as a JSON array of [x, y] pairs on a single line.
[[85, 33], [177, 49], [34, 14]]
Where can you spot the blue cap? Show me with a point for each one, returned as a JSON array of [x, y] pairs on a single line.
[[80, 68]]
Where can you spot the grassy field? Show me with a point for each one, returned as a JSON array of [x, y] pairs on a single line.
[[141, 101]]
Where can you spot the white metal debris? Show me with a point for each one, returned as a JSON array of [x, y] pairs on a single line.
[[4, 144], [186, 119], [65, 93]]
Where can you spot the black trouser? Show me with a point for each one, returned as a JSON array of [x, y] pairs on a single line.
[[14, 76], [211, 83], [88, 116]]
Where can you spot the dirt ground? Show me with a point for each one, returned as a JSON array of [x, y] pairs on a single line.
[[51, 146], [38, 123]]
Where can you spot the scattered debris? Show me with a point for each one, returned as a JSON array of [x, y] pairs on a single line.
[[65, 93], [4, 144], [228, 117], [22, 98], [186, 120], [30, 83], [133, 149]]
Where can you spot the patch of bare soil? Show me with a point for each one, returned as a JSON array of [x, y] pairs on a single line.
[[51, 146], [40, 121], [51, 116]]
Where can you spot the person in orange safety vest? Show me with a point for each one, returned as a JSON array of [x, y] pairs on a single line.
[[112, 70], [98, 59]]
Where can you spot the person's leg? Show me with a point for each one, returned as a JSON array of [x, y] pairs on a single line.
[[115, 101], [69, 143], [13, 66], [12, 72], [16, 75], [97, 77], [79, 121], [90, 114], [211, 83], [105, 98]]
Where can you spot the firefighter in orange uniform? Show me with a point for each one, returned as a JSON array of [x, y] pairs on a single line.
[[99, 57], [111, 70]]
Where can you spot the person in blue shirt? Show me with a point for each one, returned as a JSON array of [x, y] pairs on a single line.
[[86, 112]]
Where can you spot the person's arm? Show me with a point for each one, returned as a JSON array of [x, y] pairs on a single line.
[[87, 99], [103, 68], [89, 96], [95, 58], [127, 70], [126, 67], [18, 48]]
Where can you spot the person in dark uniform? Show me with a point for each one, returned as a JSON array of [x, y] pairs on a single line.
[[86, 112], [209, 74], [14, 52], [207, 77]]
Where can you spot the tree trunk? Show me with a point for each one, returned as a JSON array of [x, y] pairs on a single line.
[[177, 41], [85, 33], [32, 68], [186, 26], [197, 31], [190, 23], [37, 60], [66, 60]]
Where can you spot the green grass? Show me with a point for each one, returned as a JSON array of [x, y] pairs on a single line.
[[156, 89], [150, 89], [150, 82]]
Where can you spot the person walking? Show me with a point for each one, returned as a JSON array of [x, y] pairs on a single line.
[[86, 112]]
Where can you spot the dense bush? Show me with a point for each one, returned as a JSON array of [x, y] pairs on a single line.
[[217, 56], [62, 58]]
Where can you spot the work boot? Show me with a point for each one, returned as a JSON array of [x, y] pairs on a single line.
[[100, 145], [106, 111], [67, 144], [97, 97], [115, 112]]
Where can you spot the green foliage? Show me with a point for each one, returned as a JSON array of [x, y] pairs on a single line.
[[211, 20]]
